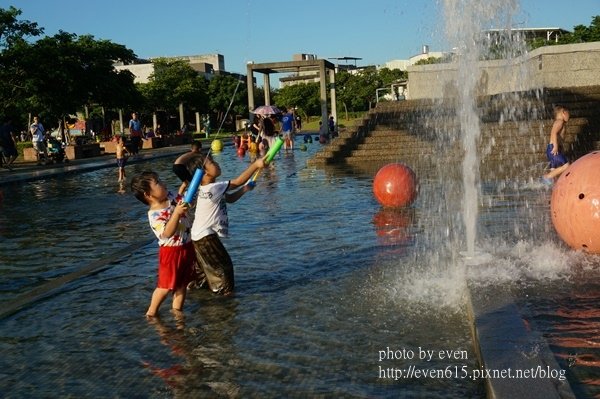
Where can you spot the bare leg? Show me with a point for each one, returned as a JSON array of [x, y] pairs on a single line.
[[556, 171], [179, 298], [158, 297]]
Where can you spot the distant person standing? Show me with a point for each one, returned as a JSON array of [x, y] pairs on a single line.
[[287, 129], [267, 127], [331, 126], [298, 123], [135, 132], [8, 146], [37, 139], [181, 168]]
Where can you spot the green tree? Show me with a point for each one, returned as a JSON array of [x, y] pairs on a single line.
[[13, 31], [174, 82], [56, 76], [65, 72], [357, 91], [304, 96], [224, 90], [13, 35], [580, 34], [429, 61]]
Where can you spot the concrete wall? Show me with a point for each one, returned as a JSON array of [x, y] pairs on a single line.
[[569, 65], [141, 72]]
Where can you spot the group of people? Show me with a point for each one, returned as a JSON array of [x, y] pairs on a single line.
[[266, 128], [191, 253]]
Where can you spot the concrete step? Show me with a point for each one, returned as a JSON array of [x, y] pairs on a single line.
[[514, 130]]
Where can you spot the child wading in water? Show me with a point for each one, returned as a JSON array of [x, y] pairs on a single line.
[[171, 224], [558, 161], [211, 222], [121, 153]]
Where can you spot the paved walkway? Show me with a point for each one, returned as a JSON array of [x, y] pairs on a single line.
[[28, 171]]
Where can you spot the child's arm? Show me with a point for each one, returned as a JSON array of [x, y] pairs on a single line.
[[247, 174], [171, 227], [557, 127], [230, 198]]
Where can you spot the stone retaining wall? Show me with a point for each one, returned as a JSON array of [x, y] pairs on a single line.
[[570, 65]]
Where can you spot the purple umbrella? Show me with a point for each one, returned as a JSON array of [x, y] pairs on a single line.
[[267, 110]]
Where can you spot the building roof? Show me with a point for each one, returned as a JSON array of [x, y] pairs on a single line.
[[552, 33]]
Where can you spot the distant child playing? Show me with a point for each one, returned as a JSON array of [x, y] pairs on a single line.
[[121, 151], [171, 224], [180, 166], [558, 161], [211, 222]]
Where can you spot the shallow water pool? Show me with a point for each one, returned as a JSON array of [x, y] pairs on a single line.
[[335, 296]]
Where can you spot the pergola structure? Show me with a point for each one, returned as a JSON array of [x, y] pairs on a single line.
[[321, 66]]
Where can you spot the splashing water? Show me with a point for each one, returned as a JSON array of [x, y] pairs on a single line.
[[465, 21]]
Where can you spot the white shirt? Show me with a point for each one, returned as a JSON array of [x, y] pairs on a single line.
[[37, 132], [211, 211]]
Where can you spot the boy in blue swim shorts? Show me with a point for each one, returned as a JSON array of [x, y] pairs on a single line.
[[558, 161]]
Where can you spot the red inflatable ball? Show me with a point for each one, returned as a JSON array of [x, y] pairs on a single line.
[[575, 204], [395, 185], [392, 226], [241, 151]]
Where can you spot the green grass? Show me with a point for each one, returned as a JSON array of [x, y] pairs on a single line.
[[352, 121]]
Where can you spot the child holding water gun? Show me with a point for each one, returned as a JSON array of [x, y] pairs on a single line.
[[215, 267], [171, 224]]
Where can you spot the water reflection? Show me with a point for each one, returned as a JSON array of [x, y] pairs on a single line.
[[325, 280]]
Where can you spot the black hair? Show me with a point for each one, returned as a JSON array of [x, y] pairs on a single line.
[[195, 163], [197, 144], [140, 184]]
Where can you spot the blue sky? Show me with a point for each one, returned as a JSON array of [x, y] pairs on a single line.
[[265, 31]]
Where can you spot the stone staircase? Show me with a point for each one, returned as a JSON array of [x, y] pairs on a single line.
[[424, 134]]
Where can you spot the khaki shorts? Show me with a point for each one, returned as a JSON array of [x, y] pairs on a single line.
[[215, 267]]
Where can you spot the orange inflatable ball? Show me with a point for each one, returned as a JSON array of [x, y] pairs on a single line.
[[395, 185], [575, 204]]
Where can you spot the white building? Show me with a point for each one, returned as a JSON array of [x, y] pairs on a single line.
[[207, 64], [404, 64]]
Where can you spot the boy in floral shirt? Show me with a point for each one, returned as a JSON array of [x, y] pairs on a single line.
[[171, 224]]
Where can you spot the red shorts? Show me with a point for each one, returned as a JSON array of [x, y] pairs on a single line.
[[176, 266]]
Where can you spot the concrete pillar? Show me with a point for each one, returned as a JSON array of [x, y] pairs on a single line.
[[267, 89], [332, 94], [197, 122], [154, 121], [323, 84], [181, 120], [250, 86], [121, 121]]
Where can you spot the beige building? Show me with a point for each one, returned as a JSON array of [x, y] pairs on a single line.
[[207, 64], [404, 64]]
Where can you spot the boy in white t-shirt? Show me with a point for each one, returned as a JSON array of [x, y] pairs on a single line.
[[215, 267]]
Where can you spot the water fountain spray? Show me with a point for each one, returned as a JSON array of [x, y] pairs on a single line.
[[465, 22]]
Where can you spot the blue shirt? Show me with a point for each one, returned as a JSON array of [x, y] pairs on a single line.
[[287, 121]]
